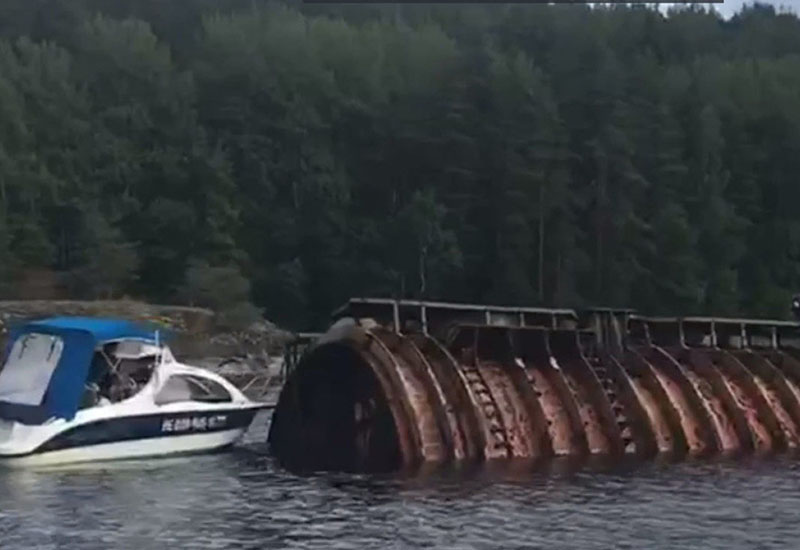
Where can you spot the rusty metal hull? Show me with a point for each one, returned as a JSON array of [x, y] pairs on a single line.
[[384, 400]]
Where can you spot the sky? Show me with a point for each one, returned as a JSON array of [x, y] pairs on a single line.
[[729, 7], [732, 6]]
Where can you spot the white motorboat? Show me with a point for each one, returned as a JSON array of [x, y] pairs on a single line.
[[76, 389]]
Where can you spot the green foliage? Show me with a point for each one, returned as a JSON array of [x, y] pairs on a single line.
[[105, 263], [223, 289], [237, 152]]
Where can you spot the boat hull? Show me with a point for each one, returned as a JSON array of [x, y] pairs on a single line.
[[137, 436]]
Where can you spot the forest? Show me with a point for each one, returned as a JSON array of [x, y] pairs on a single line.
[[277, 158]]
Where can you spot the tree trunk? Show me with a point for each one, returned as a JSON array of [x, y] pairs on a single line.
[[557, 290], [600, 227], [541, 242], [3, 198], [423, 281]]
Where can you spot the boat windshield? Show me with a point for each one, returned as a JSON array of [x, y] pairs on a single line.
[[26, 373], [119, 370]]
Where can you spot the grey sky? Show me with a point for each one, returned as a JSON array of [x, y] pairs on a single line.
[[732, 6]]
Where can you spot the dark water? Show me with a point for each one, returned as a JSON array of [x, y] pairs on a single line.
[[241, 499]]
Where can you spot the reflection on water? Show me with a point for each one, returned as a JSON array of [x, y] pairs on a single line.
[[241, 499]]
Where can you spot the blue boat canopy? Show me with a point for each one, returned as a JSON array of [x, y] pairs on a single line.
[[103, 330], [47, 361]]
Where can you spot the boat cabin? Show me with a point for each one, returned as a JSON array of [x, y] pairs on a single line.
[[55, 367]]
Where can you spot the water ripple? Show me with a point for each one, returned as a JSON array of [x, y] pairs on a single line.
[[242, 499]]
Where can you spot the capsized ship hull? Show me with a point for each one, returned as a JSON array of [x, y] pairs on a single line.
[[398, 384]]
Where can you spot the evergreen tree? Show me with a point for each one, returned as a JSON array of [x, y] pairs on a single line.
[[255, 155]]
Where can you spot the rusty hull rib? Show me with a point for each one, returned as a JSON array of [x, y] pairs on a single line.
[[495, 359], [736, 419], [602, 432], [789, 367], [631, 403], [761, 420], [664, 417], [693, 416], [424, 396], [465, 424], [775, 389], [563, 419], [496, 439], [401, 398], [726, 419]]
